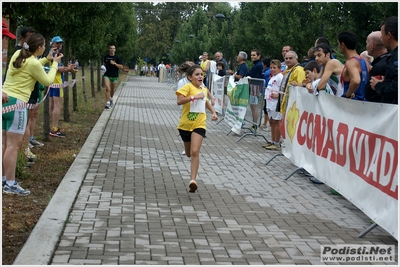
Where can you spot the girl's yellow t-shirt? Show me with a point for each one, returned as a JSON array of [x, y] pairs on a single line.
[[191, 120]]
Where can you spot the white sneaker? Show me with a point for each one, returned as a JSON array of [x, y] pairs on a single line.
[[108, 106], [15, 189], [29, 154], [35, 142]]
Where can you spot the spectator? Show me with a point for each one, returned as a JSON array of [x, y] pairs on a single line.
[[205, 65], [271, 97], [161, 66], [367, 57], [193, 130], [24, 71], [285, 49], [331, 69], [267, 73], [324, 40], [293, 75], [137, 69], [221, 69], [242, 67], [255, 72], [378, 51], [213, 66], [312, 70], [33, 99], [355, 72], [387, 88], [310, 57], [6, 35], [6, 32], [220, 57], [56, 91]]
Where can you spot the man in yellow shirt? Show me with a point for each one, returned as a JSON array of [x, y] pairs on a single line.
[[294, 74]]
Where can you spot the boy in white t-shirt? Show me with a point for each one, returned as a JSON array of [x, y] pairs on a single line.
[[271, 97]]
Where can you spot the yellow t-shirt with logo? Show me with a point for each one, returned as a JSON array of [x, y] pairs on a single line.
[[191, 120], [58, 79], [203, 66]]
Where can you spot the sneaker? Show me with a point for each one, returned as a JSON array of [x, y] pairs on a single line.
[[253, 129], [266, 128], [333, 191], [267, 144], [15, 189], [29, 154], [273, 147], [35, 142], [4, 183], [30, 146], [57, 133], [183, 152], [192, 186], [108, 106], [111, 103], [315, 180]]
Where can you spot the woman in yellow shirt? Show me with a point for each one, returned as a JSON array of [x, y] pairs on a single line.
[[192, 126], [25, 69]]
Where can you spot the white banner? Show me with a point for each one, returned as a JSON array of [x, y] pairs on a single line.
[[350, 145], [238, 95], [217, 90]]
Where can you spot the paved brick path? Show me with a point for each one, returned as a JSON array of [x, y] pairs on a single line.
[[134, 207]]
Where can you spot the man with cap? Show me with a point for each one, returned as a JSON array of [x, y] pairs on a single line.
[[56, 92], [6, 34]]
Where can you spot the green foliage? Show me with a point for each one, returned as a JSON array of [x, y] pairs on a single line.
[[160, 30], [21, 163]]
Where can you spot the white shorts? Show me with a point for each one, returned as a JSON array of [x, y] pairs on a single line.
[[15, 121], [253, 100], [273, 114]]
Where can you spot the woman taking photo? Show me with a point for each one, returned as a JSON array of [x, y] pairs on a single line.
[[25, 69]]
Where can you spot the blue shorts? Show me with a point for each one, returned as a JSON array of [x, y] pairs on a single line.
[[56, 92]]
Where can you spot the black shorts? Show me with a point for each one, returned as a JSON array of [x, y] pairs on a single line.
[[33, 99], [187, 135]]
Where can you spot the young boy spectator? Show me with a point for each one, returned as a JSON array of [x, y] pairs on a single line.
[[271, 96], [312, 70], [221, 68]]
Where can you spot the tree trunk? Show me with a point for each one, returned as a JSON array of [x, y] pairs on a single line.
[[74, 94], [100, 80], [66, 99], [92, 78], [83, 83]]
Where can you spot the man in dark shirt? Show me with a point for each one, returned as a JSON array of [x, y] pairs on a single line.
[[378, 51], [387, 88], [113, 63], [242, 68]]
